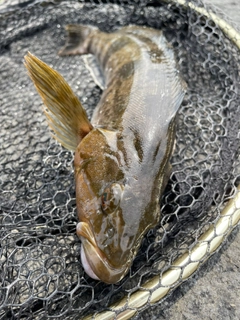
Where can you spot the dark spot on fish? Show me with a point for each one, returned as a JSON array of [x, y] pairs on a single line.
[[115, 46], [124, 161], [138, 144], [127, 70], [155, 53], [156, 150]]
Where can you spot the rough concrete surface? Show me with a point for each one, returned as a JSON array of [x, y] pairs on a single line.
[[214, 291]]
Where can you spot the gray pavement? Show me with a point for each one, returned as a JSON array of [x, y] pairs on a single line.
[[214, 291]]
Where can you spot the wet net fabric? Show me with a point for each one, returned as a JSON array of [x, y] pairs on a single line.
[[41, 276]]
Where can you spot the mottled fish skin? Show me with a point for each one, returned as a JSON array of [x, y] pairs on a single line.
[[122, 157], [128, 152]]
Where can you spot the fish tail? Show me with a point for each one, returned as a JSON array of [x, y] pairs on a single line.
[[78, 39], [64, 112]]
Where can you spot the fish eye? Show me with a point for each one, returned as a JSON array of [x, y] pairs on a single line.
[[111, 197]]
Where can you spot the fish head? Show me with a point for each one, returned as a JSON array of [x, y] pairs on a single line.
[[105, 205]]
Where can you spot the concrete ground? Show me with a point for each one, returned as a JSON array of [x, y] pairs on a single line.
[[214, 291]]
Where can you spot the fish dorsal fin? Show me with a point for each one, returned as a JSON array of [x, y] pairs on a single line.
[[64, 112]]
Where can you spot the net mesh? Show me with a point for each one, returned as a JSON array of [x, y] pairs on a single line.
[[41, 274]]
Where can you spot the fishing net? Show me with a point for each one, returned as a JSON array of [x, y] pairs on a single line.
[[41, 275]]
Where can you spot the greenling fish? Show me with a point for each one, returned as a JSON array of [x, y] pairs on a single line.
[[122, 157]]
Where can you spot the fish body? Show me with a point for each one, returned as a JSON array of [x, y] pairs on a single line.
[[122, 157]]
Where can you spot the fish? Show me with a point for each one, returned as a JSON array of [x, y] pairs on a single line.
[[122, 156]]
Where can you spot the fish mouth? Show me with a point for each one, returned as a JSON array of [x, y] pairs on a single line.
[[94, 261]]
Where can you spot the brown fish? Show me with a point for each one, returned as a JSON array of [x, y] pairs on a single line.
[[122, 157]]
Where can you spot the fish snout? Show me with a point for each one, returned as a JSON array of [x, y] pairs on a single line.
[[94, 260]]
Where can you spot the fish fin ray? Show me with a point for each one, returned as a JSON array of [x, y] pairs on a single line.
[[64, 112], [77, 40]]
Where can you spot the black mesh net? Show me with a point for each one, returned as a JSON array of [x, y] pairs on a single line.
[[41, 274]]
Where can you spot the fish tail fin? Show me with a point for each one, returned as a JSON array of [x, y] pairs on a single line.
[[78, 39], [64, 112]]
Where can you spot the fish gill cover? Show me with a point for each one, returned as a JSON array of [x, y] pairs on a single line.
[[41, 276]]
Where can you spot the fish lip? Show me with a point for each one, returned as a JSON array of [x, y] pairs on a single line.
[[98, 266], [84, 231]]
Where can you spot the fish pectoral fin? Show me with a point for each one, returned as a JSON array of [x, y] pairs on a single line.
[[94, 70], [64, 112], [78, 39]]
